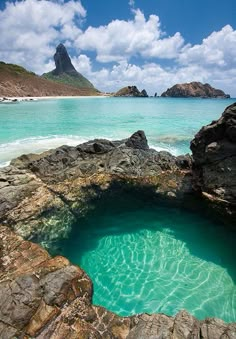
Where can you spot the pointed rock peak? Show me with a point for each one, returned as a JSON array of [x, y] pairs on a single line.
[[138, 140], [62, 61]]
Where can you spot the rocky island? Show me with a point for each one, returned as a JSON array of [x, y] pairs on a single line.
[[131, 91], [194, 90], [42, 194]]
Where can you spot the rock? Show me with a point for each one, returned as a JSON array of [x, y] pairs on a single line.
[[66, 73], [42, 195], [48, 297], [138, 140], [63, 62], [194, 89], [131, 91], [214, 167]]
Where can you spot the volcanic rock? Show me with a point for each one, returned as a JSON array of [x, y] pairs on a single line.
[[214, 167], [194, 89], [131, 91], [41, 195], [63, 62]]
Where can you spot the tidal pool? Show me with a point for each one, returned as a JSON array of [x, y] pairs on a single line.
[[143, 257]]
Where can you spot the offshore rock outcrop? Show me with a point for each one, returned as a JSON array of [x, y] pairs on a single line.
[[41, 195], [131, 91], [214, 167], [194, 89]]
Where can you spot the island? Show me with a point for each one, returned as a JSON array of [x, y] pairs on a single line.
[[194, 90], [131, 91]]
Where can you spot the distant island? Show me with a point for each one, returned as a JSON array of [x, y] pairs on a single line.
[[131, 91], [194, 90]]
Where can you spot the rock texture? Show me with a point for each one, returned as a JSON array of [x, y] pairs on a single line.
[[44, 297], [131, 91], [44, 192], [194, 89], [41, 195], [15, 81], [65, 72], [214, 154]]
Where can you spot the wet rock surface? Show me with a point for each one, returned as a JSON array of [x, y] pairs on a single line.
[[41, 195]]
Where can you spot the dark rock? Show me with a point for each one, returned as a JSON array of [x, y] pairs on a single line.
[[194, 89], [214, 155], [138, 140], [63, 62]]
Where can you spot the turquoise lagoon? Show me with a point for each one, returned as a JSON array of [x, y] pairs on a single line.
[[140, 256]]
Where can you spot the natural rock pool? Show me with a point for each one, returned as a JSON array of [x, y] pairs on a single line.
[[147, 258]]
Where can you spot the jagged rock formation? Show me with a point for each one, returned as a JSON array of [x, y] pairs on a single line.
[[42, 194], [65, 72], [214, 154], [131, 91], [15, 81], [194, 89], [44, 297]]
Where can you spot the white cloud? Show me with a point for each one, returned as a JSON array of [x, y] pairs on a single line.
[[218, 49], [30, 29], [120, 40]]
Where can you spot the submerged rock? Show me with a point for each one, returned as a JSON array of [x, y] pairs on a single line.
[[45, 297], [41, 195]]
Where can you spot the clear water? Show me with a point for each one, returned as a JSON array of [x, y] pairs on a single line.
[[141, 258], [145, 258], [169, 123]]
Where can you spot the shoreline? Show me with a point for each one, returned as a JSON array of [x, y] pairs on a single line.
[[55, 97]]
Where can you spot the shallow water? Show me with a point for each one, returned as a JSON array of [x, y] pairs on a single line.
[[169, 123], [147, 258]]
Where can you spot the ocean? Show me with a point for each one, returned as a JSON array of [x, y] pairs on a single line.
[[169, 123]]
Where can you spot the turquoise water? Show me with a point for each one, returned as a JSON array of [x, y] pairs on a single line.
[[169, 123], [145, 258]]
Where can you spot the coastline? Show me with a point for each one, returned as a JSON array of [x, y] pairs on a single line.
[[56, 97]]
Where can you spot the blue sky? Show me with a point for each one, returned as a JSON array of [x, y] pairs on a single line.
[[149, 43]]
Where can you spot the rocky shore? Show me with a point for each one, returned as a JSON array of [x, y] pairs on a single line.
[[41, 195]]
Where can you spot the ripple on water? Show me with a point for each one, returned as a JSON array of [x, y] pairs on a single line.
[[156, 259]]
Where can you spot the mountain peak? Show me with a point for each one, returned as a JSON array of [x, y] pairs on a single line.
[[62, 61]]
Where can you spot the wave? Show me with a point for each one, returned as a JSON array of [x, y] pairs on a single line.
[[11, 150]]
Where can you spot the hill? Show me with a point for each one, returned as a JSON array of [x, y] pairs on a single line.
[[194, 89], [17, 81], [65, 72]]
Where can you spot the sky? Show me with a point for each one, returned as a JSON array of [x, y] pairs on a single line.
[[152, 44]]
